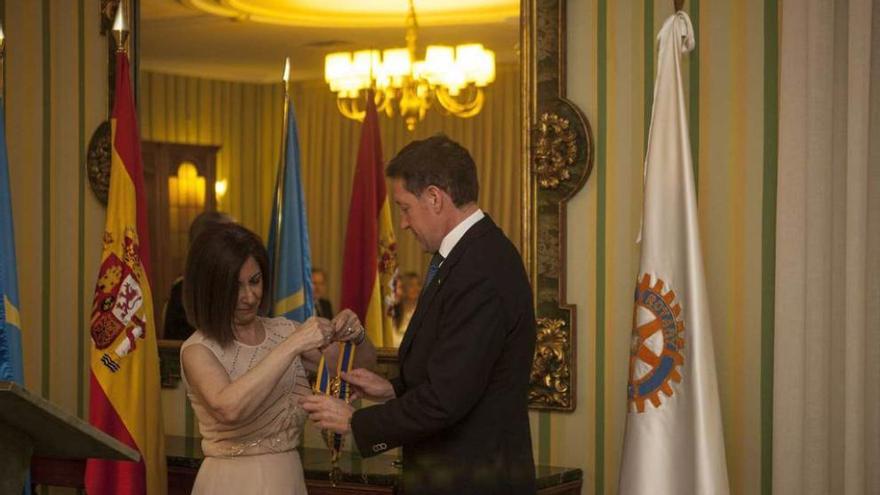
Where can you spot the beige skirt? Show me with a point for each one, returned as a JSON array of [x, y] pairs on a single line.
[[265, 474]]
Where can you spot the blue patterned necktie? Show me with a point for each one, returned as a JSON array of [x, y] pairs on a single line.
[[433, 267]]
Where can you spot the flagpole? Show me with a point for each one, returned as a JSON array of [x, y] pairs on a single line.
[[279, 181], [2, 62]]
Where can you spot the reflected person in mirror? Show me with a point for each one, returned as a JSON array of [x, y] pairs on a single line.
[[175, 326], [459, 408], [245, 373], [323, 307], [408, 289]]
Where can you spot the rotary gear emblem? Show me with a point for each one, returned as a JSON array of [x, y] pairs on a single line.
[[657, 346]]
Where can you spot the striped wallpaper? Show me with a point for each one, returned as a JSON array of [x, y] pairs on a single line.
[[56, 95], [731, 85]]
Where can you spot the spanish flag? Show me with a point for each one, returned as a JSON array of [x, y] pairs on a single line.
[[369, 267], [124, 385]]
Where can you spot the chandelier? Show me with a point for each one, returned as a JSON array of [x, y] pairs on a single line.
[[453, 77]]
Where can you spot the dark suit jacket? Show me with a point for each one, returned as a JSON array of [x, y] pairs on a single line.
[[461, 412], [323, 308]]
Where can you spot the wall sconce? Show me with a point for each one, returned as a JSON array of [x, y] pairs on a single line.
[[220, 189], [186, 199], [187, 188]]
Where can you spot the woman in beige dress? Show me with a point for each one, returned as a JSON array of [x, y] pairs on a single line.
[[245, 373]]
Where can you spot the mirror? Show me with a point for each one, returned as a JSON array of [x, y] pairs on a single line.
[[210, 75], [210, 78]]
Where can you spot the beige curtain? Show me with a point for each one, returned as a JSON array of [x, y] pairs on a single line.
[[826, 426], [329, 152], [244, 119]]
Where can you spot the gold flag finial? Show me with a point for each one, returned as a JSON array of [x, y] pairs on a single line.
[[120, 28], [2, 58], [285, 76]]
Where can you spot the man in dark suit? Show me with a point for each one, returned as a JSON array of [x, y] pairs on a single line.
[[459, 407]]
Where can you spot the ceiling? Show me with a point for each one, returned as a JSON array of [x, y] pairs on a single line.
[[230, 43]]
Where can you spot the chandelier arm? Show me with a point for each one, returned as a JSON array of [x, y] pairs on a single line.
[[348, 108], [461, 109], [383, 100]]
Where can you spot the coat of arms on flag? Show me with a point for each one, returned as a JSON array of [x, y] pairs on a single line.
[[118, 300]]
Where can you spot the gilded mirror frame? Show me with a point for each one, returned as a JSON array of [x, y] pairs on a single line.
[[557, 158], [559, 154]]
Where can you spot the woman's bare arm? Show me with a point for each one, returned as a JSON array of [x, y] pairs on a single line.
[[231, 402]]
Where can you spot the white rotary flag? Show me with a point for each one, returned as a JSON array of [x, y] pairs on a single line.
[[673, 442]]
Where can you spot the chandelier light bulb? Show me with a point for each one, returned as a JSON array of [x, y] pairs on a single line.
[[452, 77]]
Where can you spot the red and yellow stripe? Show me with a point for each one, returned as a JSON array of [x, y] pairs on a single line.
[[124, 384], [369, 268]]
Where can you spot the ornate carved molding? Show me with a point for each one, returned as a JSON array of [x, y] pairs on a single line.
[[108, 13], [561, 158], [550, 378], [98, 161], [555, 150]]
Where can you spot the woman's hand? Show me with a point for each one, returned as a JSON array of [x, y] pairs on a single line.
[[315, 333], [347, 327]]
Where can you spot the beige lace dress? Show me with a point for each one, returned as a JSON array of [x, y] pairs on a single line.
[[257, 455]]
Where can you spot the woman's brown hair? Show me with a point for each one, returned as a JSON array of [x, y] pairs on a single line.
[[210, 281]]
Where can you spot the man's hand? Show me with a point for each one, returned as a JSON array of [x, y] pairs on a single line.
[[367, 385], [328, 413]]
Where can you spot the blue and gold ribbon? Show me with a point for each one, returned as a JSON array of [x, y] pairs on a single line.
[[335, 386]]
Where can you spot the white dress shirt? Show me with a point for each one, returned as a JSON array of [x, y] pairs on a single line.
[[458, 232]]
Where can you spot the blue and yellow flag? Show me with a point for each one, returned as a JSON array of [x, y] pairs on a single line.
[[289, 254], [10, 323]]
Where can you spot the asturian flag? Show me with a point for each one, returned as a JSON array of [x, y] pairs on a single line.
[[10, 322], [11, 368], [673, 442], [289, 254], [124, 382]]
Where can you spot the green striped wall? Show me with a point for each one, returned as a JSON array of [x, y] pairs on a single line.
[[46, 190], [768, 235], [731, 90], [56, 96]]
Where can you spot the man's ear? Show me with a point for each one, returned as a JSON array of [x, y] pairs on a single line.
[[434, 197]]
